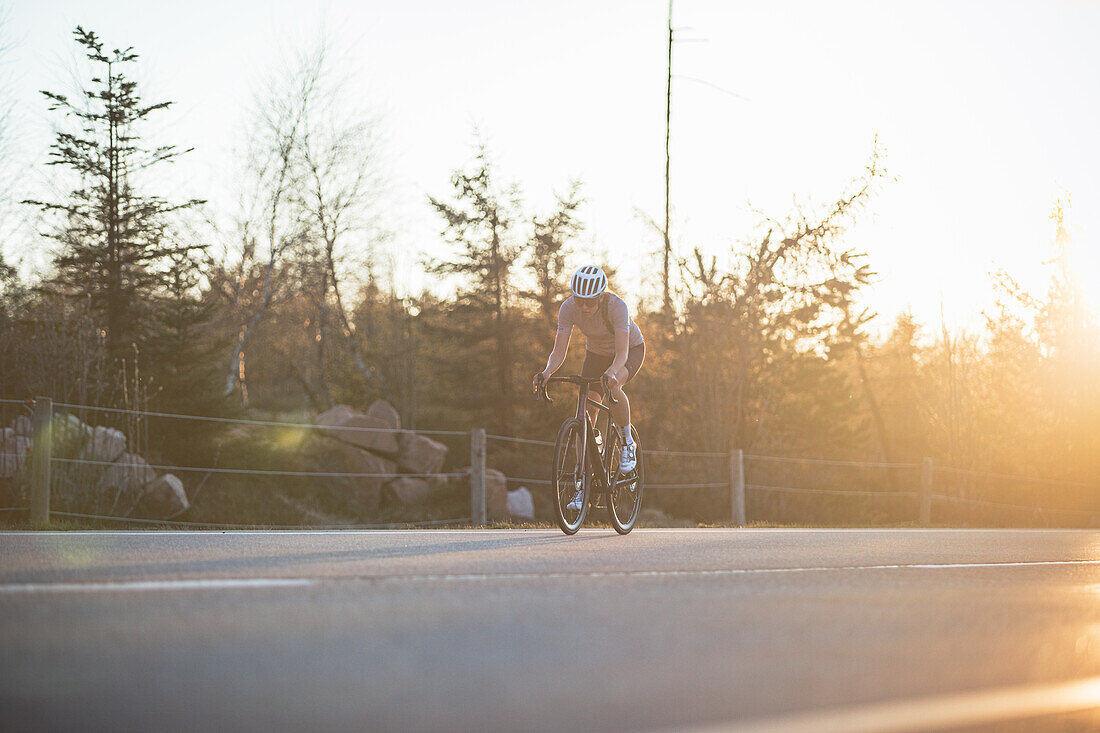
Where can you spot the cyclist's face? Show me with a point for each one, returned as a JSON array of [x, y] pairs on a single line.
[[587, 305]]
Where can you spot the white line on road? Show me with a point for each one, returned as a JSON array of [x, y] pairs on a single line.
[[147, 585], [489, 533], [572, 575], [230, 583], [983, 707]]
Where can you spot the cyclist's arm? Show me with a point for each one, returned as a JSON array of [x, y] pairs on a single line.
[[557, 356], [622, 350]]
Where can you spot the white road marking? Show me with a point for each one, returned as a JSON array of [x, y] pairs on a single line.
[[489, 533], [980, 564], [230, 583], [565, 574], [148, 585], [982, 707]]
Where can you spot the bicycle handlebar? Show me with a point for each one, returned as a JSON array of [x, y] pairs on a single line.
[[540, 390], [542, 394]]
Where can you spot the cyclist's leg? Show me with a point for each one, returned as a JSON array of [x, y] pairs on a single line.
[[594, 366], [621, 412], [620, 409]]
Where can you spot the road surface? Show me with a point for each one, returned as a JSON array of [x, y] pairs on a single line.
[[692, 630]]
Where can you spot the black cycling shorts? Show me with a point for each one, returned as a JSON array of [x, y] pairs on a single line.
[[596, 364]]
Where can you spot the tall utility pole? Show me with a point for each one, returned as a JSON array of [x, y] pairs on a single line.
[[668, 162]]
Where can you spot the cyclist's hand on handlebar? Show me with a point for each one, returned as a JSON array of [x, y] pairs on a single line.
[[612, 380], [536, 380]]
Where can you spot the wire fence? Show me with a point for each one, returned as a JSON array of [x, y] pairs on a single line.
[[229, 525], [1017, 477], [260, 423], [791, 489], [247, 471], [15, 443], [297, 479], [834, 492], [112, 465], [1005, 498]]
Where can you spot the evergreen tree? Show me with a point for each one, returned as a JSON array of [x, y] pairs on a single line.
[[185, 368], [548, 247], [479, 224], [113, 238]]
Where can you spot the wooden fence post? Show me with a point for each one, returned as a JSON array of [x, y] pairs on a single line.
[[737, 486], [926, 492], [41, 452], [477, 477]]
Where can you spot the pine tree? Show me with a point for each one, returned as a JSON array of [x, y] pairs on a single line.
[[479, 224], [113, 238], [548, 247]]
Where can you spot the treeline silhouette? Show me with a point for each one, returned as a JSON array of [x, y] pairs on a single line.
[[770, 349]]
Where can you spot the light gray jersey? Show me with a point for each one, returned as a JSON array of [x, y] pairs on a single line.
[[598, 339]]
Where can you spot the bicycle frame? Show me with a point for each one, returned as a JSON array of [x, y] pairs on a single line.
[[594, 459]]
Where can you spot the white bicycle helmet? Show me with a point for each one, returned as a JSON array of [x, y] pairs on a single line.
[[588, 282]]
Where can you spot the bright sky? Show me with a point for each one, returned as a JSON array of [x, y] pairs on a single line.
[[987, 111]]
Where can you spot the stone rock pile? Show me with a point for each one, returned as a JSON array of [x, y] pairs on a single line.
[[131, 486], [408, 465], [401, 467], [402, 464]]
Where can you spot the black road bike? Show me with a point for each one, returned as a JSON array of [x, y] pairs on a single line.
[[582, 465]]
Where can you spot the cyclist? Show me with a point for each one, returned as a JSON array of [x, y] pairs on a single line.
[[614, 348]]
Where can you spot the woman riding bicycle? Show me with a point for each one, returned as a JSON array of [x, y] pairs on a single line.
[[614, 346]]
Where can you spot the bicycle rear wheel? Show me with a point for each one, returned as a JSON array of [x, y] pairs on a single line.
[[569, 477], [624, 500]]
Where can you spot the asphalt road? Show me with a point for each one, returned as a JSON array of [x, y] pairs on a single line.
[[698, 630]]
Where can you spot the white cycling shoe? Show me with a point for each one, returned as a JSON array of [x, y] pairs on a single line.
[[628, 459], [577, 503]]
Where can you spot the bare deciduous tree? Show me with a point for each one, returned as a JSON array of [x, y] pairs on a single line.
[[340, 151], [314, 180], [271, 220]]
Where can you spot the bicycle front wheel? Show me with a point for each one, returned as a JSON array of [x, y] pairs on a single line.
[[570, 479], [624, 500]]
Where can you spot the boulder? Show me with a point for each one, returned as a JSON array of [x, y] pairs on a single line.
[[104, 444], [69, 434], [373, 434], [126, 478], [496, 492], [335, 457], [520, 503], [23, 425], [411, 491], [14, 454], [418, 454], [336, 416], [384, 411], [162, 498], [359, 461]]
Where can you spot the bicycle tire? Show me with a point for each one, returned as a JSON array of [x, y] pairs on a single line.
[[624, 515], [563, 477]]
